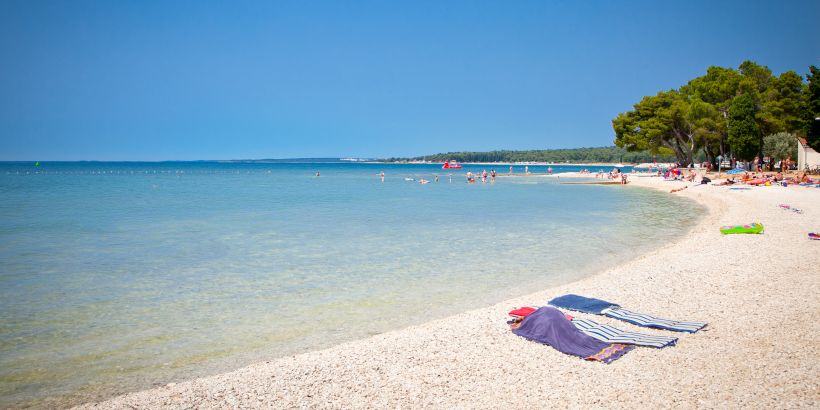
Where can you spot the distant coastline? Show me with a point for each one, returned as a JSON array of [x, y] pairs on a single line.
[[590, 156], [557, 164]]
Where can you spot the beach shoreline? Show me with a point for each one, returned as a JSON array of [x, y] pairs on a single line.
[[759, 348]]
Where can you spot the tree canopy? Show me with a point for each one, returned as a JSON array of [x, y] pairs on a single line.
[[813, 107], [780, 146], [744, 133], [697, 117]]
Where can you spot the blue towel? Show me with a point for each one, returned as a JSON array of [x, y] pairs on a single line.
[[582, 304]]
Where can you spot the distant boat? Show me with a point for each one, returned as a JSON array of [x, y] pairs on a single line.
[[619, 165], [451, 164]]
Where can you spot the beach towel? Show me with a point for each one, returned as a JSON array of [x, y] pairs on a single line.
[[641, 319], [602, 307], [791, 208], [814, 236], [525, 311], [609, 334], [549, 326], [522, 312], [736, 171], [582, 304]]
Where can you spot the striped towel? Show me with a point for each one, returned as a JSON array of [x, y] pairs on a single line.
[[609, 334], [641, 319]]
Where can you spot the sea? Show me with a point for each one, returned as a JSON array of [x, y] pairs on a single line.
[[120, 276]]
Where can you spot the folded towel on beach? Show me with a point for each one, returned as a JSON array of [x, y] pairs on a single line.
[[522, 312], [602, 307], [791, 208], [549, 326], [641, 319], [609, 334], [525, 311], [582, 304]]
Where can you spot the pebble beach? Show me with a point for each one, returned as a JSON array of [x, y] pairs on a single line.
[[760, 295]]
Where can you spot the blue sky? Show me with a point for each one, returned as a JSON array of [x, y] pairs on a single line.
[[140, 80]]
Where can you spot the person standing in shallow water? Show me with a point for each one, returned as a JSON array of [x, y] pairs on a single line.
[[317, 173], [381, 175]]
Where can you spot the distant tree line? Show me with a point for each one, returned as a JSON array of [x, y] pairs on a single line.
[[728, 113], [571, 155]]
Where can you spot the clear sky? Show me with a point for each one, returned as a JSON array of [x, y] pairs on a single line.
[[142, 80]]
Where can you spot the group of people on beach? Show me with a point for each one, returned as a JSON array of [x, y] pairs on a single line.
[[800, 178], [746, 178], [615, 174], [471, 178]]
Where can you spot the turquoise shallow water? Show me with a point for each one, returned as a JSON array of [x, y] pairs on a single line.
[[118, 276]]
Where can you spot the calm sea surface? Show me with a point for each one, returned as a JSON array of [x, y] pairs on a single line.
[[118, 276]]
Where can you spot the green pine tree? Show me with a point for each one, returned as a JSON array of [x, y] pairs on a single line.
[[744, 133]]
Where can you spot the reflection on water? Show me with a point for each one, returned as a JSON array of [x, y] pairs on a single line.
[[116, 277]]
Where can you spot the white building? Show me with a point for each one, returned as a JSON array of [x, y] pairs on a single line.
[[807, 158]]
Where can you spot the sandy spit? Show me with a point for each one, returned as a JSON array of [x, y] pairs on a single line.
[[759, 293]]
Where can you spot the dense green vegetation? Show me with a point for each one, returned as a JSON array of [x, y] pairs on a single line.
[[813, 111], [725, 112], [572, 155], [780, 146]]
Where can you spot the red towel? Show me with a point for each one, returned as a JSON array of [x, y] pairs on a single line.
[[522, 312]]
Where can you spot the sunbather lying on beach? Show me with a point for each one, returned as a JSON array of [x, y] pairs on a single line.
[[729, 181], [801, 178]]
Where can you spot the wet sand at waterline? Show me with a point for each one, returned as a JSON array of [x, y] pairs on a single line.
[[760, 295]]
